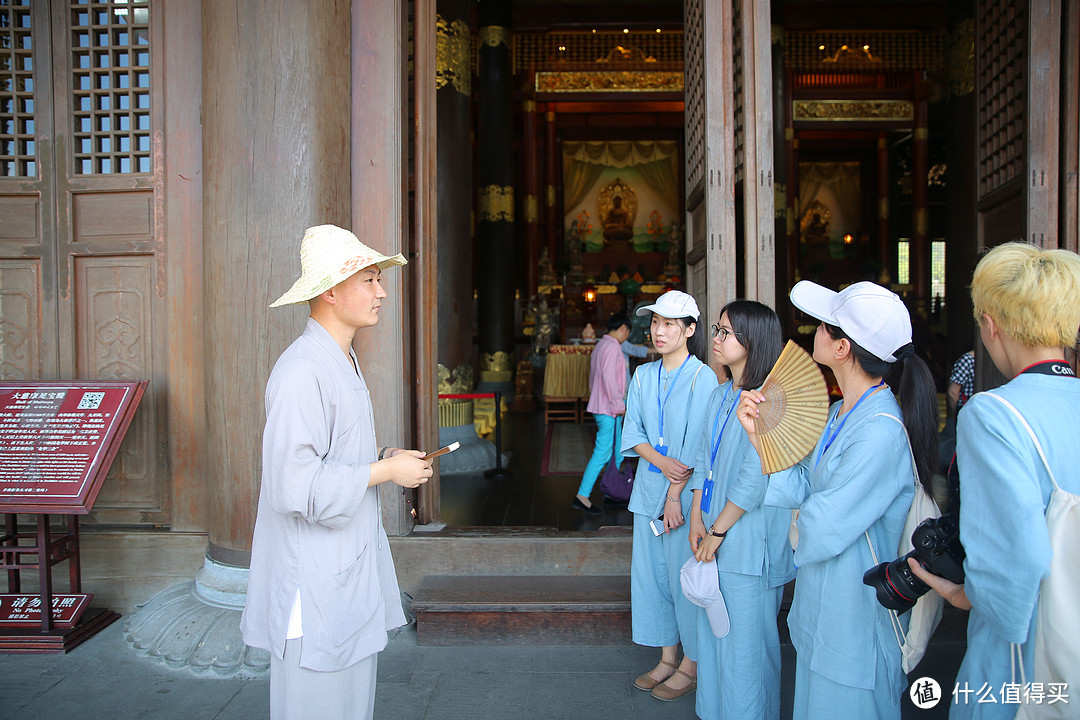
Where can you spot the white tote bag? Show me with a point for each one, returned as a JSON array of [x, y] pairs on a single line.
[[926, 614]]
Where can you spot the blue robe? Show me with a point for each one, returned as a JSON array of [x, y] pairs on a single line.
[[848, 655], [1004, 491], [738, 675], [661, 616]]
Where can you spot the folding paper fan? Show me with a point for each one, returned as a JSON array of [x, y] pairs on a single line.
[[794, 411]]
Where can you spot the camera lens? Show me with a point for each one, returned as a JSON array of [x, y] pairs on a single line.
[[937, 548], [896, 586]]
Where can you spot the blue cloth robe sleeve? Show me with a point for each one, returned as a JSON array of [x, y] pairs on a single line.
[[304, 482], [834, 517], [749, 487], [633, 432], [789, 488], [1002, 517]]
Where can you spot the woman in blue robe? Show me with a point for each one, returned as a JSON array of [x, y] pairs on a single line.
[[853, 491], [1026, 304], [739, 674], [665, 415]]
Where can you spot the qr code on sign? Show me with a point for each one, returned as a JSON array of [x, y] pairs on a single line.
[[91, 400]]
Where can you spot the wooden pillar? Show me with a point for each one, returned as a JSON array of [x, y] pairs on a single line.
[[379, 128], [530, 206], [883, 243], [275, 122], [1070, 122], [759, 252], [423, 327], [453, 78], [551, 173], [495, 216], [1042, 129], [920, 231], [785, 269]]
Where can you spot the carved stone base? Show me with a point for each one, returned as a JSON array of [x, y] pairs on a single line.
[[197, 624]]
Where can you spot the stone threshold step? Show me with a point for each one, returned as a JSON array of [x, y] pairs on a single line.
[[522, 593], [552, 610]]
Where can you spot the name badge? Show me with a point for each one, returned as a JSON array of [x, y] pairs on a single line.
[[662, 449], [706, 494]]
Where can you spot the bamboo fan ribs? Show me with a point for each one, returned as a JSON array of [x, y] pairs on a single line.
[[794, 411]]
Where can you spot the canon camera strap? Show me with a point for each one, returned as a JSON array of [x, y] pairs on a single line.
[[1056, 368]]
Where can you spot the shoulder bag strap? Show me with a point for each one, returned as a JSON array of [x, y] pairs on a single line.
[[1016, 657]]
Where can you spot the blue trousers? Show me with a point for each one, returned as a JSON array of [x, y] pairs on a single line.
[[739, 675], [660, 615], [608, 437]]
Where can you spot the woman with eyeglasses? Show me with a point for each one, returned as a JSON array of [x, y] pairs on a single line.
[[854, 490], [738, 674], [665, 414]]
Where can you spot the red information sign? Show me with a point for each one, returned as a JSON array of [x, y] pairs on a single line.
[[18, 610], [57, 441]]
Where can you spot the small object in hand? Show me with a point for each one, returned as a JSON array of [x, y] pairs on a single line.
[[442, 451]]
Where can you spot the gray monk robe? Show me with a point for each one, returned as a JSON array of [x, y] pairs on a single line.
[[318, 526]]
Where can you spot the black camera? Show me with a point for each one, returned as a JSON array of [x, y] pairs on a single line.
[[937, 548]]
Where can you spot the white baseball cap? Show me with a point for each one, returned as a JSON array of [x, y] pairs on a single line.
[[701, 586], [873, 317], [673, 304], [328, 255]]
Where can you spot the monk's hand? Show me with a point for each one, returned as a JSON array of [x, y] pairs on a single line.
[[408, 469]]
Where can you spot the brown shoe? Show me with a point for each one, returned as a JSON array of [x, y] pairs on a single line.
[[664, 692], [646, 682]]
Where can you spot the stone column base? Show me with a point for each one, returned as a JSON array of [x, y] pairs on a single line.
[[197, 624]]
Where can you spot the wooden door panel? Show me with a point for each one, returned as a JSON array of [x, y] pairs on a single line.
[[21, 332], [82, 263], [114, 336], [112, 216]]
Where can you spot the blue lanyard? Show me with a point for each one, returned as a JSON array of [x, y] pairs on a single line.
[[834, 433], [671, 386], [716, 422]]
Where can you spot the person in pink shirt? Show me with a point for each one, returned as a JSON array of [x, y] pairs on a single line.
[[607, 402]]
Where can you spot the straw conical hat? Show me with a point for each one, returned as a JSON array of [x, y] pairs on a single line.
[[328, 255]]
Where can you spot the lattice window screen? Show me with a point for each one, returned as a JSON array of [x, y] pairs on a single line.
[[891, 50], [1000, 62], [739, 84], [694, 84], [18, 154], [548, 49], [111, 88]]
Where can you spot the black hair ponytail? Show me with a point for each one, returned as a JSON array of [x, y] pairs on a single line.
[[918, 399]]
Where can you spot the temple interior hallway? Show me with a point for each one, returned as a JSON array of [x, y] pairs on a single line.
[[527, 499]]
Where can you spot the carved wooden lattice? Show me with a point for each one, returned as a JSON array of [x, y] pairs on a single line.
[[694, 84], [111, 88], [17, 151], [867, 50], [739, 85], [550, 49], [1000, 62]]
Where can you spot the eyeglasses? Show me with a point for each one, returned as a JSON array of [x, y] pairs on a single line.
[[722, 332]]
